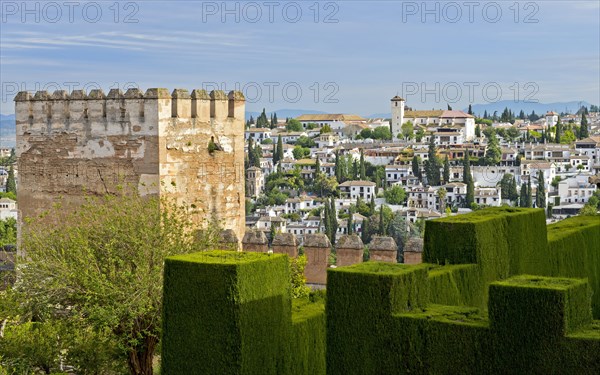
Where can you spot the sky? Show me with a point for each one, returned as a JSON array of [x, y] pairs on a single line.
[[333, 56]]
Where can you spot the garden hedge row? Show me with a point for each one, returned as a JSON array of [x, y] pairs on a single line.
[[458, 285], [231, 313], [574, 246]]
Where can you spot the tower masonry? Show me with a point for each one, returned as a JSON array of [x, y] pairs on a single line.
[[186, 146]]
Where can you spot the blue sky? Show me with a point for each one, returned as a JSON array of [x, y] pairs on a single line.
[[350, 56]]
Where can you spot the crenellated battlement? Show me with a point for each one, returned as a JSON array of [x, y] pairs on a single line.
[[43, 110]]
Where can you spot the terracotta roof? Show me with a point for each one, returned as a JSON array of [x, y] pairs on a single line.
[[414, 114], [357, 183], [455, 114], [330, 117]]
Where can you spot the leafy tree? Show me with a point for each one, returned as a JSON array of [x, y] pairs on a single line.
[[326, 129], [540, 195], [8, 231], [446, 170], [382, 132], [395, 195], [432, 166], [102, 267], [366, 134], [325, 186], [294, 125], [416, 168], [568, 137], [300, 152], [304, 141], [511, 134], [419, 134], [408, 130], [11, 185]]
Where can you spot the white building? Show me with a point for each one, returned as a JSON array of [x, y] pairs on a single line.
[[258, 134], [8, 208], [575, 190], [355, 189]]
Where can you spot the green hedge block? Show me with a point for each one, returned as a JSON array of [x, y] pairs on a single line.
[[530, 316], [226, 312], [360, 301], [442, 340], [502, 241], [458, 285], [307, 351], [574, 246]]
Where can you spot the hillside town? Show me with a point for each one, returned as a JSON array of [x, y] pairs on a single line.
[[344, 174]]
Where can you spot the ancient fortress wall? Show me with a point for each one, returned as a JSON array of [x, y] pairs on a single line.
[[188, 146]]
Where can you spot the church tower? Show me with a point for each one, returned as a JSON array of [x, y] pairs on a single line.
[[397, 116]]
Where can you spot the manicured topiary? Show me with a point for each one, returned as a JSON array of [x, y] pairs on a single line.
[[360, 302], [226, 312], [458, 285], [574, 246], [502, 241]]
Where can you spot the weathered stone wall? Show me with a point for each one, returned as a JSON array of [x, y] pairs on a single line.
[[69, 146]]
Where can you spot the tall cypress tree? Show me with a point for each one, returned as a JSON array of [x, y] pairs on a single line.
[[540, 195], [470, 111], [317, 167], [529, 193], [468, 179], [523, 196], [364, 234], [275, 120], [513, 193], [334, 223], [11, 185], [446, 170], [338, 167], [350, 228], [381, 223], [416, 169], [558, 132], [433, 164], [363, 173], [583, 128]]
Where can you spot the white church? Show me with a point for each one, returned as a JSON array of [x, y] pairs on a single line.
[[448, 126]]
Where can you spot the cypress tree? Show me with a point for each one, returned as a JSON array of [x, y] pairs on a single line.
[[275, 120], [372, 204], [470, 111], [529, 193], [364, 234], [478, 131], [363, 173], [540, 195], [583, 128], [338, 168], [468, 179], [381, 223], [279, 148], [415, 167], [558, 132], [432, 167], [523, 196], [350, 228], [513, 193], [11, 185], [317, 167], [334, 223], [466, 167], [446, 170], [354, 170]]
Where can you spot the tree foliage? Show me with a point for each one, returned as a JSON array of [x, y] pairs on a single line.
[[101, 268]]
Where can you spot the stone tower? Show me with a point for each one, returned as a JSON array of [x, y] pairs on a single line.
[[254, 181], [187, 146], [397, 116]]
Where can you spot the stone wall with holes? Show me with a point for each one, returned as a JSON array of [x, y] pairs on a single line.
[[188, 146]]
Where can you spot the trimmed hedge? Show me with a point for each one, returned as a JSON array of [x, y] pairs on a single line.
[[307, 351], [458, 285], [502, 241], [574, 246], [225, 312], [530, 317], [360, 302]]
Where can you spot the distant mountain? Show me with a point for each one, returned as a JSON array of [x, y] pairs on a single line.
[[283, 113], [527, 107]]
